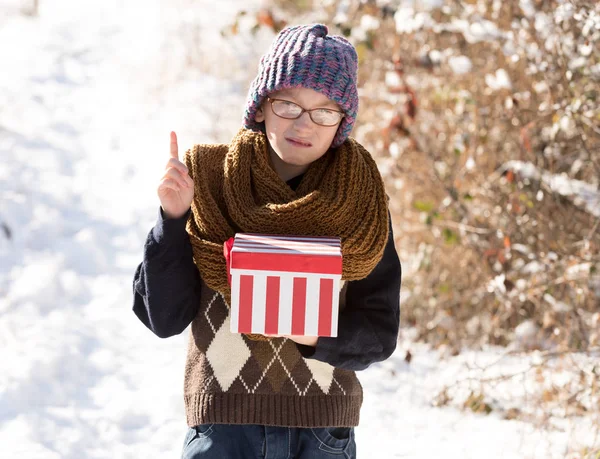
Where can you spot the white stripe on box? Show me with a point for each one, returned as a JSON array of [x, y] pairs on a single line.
[[286, 287], [253, 272], [235, 300], [335, 307], [311, 323], [301, 239], [287, 245], [299, 247], [259, 302], [287, 251], [274, 245], [307, 243]]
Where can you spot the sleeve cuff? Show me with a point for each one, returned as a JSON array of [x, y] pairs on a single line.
[[307, 352], [170, 229], [322, 351]]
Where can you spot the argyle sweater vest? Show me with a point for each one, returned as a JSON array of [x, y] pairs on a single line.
[[230, 379]]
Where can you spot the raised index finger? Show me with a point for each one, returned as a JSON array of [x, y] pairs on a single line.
[[174, 148]]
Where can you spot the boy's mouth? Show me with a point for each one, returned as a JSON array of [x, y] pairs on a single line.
[[298, 142]]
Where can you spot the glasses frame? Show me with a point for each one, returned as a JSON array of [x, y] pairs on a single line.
[[271, 100]]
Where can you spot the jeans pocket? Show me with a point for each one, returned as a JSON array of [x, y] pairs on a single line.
[[204, 430], [333, 440], [199, 431]]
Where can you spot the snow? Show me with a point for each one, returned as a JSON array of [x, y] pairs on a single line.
[[583, 194], [368, 22], [412, 15], [527, 8], [499, 80], [88, 95], [460, 64]]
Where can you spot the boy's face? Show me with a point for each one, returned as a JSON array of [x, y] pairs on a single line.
[[295, 144]]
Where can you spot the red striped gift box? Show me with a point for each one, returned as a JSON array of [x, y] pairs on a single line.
[[285, 285]]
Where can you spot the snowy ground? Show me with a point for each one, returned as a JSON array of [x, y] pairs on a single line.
[[88, 94]]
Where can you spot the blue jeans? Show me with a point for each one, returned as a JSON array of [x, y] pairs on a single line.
[[228, 441]]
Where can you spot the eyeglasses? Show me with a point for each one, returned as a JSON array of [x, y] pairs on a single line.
[[291, 111]]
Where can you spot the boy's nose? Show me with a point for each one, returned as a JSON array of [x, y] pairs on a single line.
[[304, 122]]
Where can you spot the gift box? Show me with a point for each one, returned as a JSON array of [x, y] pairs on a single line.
[[284, 285]]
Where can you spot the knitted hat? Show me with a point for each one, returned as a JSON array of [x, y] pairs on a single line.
[[305, 56]]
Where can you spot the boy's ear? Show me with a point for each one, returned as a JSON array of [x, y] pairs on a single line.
[[260, 115]]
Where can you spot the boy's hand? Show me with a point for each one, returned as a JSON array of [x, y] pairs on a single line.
[[176, 187], [306, 340]]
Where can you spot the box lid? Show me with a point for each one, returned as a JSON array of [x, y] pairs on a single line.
[[309, 254]]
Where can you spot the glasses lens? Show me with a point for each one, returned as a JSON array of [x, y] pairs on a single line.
[[286, 109], [326, 117]]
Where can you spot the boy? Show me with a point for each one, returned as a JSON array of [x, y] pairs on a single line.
[[291, 170]]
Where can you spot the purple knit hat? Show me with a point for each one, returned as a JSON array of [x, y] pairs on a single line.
[[304, 56]]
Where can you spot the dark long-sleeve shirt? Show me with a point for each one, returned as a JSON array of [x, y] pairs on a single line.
[[167, 296]]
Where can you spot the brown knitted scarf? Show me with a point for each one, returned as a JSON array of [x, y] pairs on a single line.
[[236, 190]]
